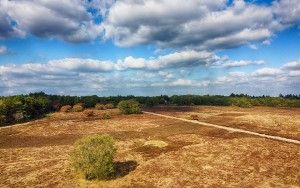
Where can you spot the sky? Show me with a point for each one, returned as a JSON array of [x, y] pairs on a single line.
[[150, 47]]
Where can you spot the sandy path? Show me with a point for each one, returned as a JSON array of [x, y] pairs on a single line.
[[229, 128]]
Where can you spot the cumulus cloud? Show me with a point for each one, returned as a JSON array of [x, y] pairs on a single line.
[[187, 58], [196, 24], [68, 20], [287, 11], [204, 25]]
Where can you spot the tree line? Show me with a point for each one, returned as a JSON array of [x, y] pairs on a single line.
[[20, 108]]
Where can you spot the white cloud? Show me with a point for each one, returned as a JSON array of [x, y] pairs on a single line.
[[294, 73], [198, 24], [294, 65], [240, 63], [181, 82], [68, 19], [186, 58], [3, 50], [265, 72], [287, 11]]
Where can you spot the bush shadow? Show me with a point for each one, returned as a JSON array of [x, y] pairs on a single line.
[[123, 168]]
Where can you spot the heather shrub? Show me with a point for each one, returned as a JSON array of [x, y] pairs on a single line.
[[66, 108], [89, 113], [129, 107], [99, 106], [78, 107], [194, 117], [109, 106], [93, 156]]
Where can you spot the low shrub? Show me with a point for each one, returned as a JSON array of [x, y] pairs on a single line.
[[66, 108], [130, 107], [93, 156], [106, 116], [194, 117], [99, 106], [89, 113], [78, 107], [109, 106]]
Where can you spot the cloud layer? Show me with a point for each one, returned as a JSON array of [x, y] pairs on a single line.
[[194, 31], [126, 76], [205, 25], [197, 24]]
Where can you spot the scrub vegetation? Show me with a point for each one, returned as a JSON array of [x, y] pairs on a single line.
[[21, 108]]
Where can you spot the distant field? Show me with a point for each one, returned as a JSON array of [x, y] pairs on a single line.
[[159, 152]]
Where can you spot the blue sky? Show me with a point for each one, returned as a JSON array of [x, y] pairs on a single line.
[[125, 47]]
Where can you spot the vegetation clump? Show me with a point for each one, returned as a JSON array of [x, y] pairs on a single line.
[[109, 106], [20, 108], [78, 107], [129, 107], [93, 156], [66, 108], [99, 106], [89, 113]]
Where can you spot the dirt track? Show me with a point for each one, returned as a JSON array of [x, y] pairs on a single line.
[[229, 128]]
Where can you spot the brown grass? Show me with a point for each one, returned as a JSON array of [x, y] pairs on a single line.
[[36, 154]]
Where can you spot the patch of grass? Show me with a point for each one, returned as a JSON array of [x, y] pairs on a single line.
[[93, 156], [106, 116], [156, 143]]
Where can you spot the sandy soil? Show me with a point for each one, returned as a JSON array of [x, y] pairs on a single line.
[[152, 152]]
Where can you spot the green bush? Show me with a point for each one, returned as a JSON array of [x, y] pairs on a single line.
[[130, 107], [93, 156], [78, 107]]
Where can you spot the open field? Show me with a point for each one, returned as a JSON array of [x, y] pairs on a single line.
[[159, 152]]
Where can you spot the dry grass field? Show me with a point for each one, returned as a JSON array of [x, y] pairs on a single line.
[[158, 152]]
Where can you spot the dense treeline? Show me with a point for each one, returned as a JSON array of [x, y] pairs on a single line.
[[26, 107]]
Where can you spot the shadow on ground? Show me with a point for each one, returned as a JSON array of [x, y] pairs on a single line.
[[123, 168]]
